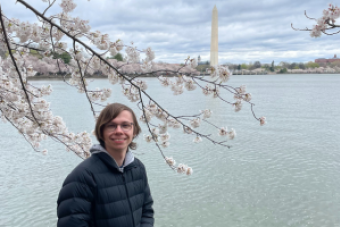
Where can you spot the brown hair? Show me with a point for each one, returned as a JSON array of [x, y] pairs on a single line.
[[110, 112]]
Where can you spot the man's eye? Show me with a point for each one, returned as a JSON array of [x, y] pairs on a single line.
[[125, 125], [112, 126]]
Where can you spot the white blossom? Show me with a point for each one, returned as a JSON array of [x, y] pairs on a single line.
[[192, 63], [170, 161], [162, 128], [133, 54], [67, 5], [181, 168], [237, 105], [241, 89], [224, 74], [187, 130], [148, 138], [232, 134], [223, 131], [164, 81], [164, 144], [150, 55], [195, 122], [177, 89], [247, 97], [197, 139], [164, 137], [173, 123], [189, 84], [206, 113], [188, 171]]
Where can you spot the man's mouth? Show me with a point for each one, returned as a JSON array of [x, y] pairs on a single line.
[[118, 140]]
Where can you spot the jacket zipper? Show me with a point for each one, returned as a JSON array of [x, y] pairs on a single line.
[[127, 194]]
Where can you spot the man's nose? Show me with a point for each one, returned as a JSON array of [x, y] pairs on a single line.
[[118, 129]]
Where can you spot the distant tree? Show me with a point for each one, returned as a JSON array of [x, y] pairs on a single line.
[[292, 65], [47, 66], [335, 64], [118, 57], [302, 66], [64, 56], [284, 64], [244, 66], [265, 66], [36, 54], [283, 70], [272, 67], [322, 64], [257, 64], [202, 68], [312, 65], [251, 67], [232, 66], [239, 67]]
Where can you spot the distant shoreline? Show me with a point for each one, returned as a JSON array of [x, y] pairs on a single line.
[[44, 77]]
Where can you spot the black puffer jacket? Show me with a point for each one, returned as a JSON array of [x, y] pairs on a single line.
[[97, 194]]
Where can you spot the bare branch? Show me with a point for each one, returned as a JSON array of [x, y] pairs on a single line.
[[299, 29], [310, 17], [50, 5]]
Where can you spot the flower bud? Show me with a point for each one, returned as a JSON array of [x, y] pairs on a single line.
[[262, 121], [170, 161]]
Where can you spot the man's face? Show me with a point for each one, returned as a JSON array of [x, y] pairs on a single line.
[[118, 133]]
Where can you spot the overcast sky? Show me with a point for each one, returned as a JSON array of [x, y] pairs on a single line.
[[248, 30]]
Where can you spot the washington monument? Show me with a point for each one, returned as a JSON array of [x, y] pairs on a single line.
[[214, 38]]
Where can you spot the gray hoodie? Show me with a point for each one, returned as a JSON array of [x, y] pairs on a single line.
[[129, 158]]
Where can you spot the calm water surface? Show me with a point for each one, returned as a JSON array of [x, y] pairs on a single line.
[[286, 173]]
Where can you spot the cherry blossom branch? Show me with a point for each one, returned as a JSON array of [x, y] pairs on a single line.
[[309, 17], [326, 22], [50, 5], [152, 134], [16, 66], [22, 135], [83, 82]]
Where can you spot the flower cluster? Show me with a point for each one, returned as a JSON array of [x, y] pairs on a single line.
[[223, 131], [181, 168], [31, 114], [328, 20]]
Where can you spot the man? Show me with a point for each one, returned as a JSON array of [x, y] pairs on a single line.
[[109, 189]]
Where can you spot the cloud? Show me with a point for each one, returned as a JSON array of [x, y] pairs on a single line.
[[248, 30]]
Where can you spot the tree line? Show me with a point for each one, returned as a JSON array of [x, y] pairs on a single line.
[[281, 67]]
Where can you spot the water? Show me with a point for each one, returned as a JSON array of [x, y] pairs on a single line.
[[283, 174]]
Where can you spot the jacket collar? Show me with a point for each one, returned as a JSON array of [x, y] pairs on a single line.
[[102, 153]]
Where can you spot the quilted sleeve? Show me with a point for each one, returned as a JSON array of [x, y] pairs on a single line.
[[75, 200], [147, 211]]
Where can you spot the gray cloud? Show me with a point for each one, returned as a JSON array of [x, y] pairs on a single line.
[[248, 30]]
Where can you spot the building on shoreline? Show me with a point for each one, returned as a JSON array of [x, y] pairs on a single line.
[[329, 60]]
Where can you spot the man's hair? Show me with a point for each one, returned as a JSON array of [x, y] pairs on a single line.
[[110, 112]]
